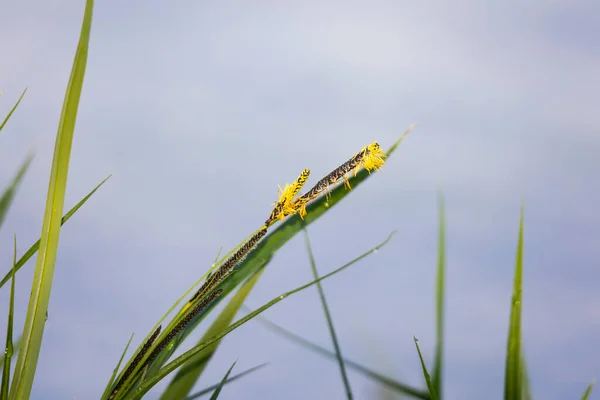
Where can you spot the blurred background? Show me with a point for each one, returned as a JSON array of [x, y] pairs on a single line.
[[200, 109]]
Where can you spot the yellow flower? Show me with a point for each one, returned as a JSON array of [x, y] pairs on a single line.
[[373, 157]]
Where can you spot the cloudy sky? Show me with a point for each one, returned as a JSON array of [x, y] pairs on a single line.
[[200, 110]]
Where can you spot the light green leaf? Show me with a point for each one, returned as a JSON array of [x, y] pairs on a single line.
[[513, 380], [8, 350], [439, 300], [42, 281], [9, 193], [432, 391], [12, 110]]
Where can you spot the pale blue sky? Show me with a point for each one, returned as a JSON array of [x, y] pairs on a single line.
[[201, 109]]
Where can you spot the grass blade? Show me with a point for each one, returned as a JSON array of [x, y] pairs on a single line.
[[42, 282], [114, 374], [12, 110], [8, 350], [215, 395], [233, 378], [187, 376], [588, 391], [34, 248], [526, 382], [9, 193], [170, 367], [439, 299], [513, 379], [430, 386], [385, 381], [334, 339]]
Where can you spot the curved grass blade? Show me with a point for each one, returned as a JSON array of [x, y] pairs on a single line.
[[32, 250], [385, 381], [9, 193], [42, 282], [439, 297], [432, 391], [271, 243], [189, 373], [170, 367], [233, 378], [513, 379], [8, 350], [215, 395], [114, 374], [336, 345], [12, 110], [588, 391]]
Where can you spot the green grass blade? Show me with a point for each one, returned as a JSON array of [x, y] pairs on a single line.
[[383, 380], [8, 350], [35, 319], [12, 110], [229, 380], [189, 373], [430, 386], [588, 391], [439, 300], [334, 339], [170, 367], [513, 379], [34, 248], [11, 190], [114, 374], [215, 395]]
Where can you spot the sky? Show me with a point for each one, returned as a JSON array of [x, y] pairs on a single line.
[[200, 109]]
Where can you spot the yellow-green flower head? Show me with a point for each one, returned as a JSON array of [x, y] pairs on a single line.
[[373, 157]]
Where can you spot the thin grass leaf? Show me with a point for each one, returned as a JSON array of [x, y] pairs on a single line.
[[263, 252], [334, 339], [8, 350], [34, 248], [9, 193], [233, 378], [12, 110], [170, 367], [513, 380], [299, 340], [588, 391], [114, 374], [439, 299], [42, 282], [189, 373], [430, 386], [215, 395]]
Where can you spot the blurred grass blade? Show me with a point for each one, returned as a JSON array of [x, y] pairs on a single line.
[[35, 319], [114, 374], [439, 299], [334, 339], [12, 110], [385, 381], [32, 250], [11, 190], [189, 373], [215, 395], [432, 391], [8, 350], [170, 367], [233, 378], [513, 379], [588, 391]]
